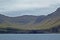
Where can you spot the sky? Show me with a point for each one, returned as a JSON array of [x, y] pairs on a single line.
[[24, 7]]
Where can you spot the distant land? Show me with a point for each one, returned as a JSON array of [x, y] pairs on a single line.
[[31, 24]]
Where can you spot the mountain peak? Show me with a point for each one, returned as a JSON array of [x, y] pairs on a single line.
[[55, 13], [58, 9]]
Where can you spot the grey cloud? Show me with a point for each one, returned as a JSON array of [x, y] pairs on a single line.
[[19, 5]]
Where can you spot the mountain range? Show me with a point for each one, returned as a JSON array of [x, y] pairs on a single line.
[[31, 22]]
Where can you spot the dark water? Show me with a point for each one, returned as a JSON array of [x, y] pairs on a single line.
[[29, 36]]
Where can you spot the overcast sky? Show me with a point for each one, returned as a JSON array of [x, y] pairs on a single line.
[[15, 5]]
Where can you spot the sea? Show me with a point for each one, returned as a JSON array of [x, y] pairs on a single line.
[[29, 36]]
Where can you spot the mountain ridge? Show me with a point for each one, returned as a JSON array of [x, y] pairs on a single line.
[[30, 22]]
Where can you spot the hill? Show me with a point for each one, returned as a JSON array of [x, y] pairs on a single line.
[[29, 22]]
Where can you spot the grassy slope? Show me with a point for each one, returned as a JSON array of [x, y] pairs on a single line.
[[45, 25]]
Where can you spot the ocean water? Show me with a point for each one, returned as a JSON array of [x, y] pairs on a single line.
[[29, 36]]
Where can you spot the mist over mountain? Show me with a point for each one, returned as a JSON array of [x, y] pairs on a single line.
[[30, 11]]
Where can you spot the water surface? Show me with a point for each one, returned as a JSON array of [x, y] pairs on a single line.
[[29, 36]]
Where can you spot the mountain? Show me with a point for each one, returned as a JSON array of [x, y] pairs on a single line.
[[30, 22], [25, 19], [39, 19], [6, 21], [51, 20]]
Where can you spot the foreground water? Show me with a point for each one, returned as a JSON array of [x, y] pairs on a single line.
[[29, 36]]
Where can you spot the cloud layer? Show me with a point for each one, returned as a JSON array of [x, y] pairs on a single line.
[[14, 5]]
